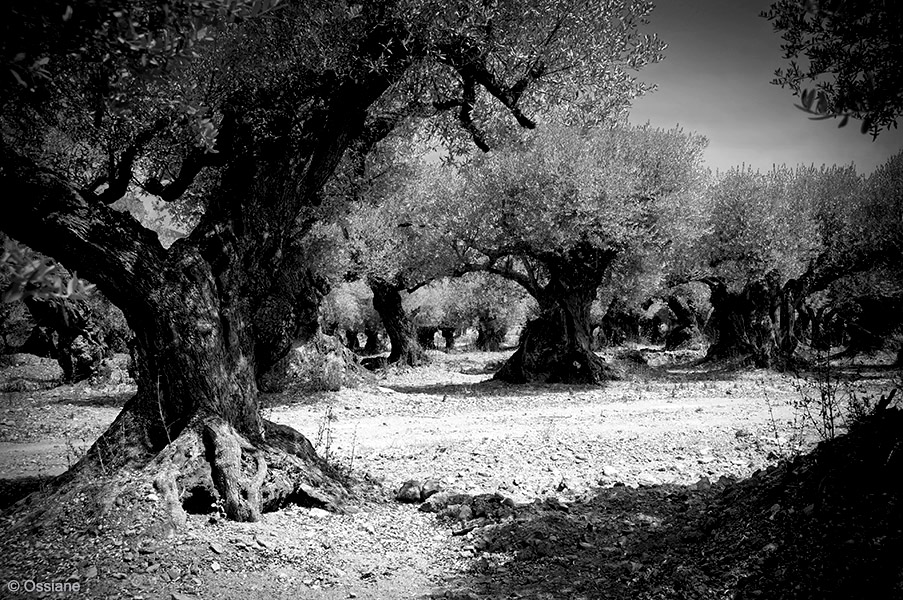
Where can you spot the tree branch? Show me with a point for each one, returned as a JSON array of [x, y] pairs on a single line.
[[121, 173], [109, 247]]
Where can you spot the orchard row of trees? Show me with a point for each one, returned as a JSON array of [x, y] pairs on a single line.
[[283, 138], [574, 215]]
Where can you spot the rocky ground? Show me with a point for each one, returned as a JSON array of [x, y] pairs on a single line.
[[668, 484]]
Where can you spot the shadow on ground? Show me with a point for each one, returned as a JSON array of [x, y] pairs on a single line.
[[15, 488], [826, 525]]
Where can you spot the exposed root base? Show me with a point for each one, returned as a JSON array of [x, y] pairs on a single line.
[[572, 367], [209, 468]]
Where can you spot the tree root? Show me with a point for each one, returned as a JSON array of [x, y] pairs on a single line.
[[209, 467]]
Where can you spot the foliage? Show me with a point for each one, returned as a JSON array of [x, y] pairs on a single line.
[[467, 301], [349, 306], [850, 51], [521, 209], [26, 274], [776, 224]]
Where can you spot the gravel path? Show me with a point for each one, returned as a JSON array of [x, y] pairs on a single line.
[[445, 421]]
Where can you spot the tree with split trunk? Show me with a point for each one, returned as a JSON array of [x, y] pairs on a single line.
[[245, 119], [554, 213], [775, 239]]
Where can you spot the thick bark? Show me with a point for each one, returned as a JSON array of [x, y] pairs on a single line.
[[79, 346], [745, 324], [684, 328], [448, 335], [556, 347], [211, 313], [490, 335], [387, 302]]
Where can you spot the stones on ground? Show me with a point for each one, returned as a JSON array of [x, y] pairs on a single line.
[[217, 548], [430, 488], [409, 491]]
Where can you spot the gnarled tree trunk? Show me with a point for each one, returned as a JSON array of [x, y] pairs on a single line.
[[684, 329], [556, 347], [210, 314], [402, 336], [79, 345], [490, 334], [744, 324]]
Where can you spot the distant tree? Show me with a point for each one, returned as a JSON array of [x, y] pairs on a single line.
[[66, 320], [850, 52], [553, 214], [491, 304], [349, 308], [774, 239]]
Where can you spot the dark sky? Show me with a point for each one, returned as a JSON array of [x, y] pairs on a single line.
[[715, 80]]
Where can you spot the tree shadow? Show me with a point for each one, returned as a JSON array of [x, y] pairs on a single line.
[[14, 489], [823, 525], [102, 400], [611, 544], [490, 387]]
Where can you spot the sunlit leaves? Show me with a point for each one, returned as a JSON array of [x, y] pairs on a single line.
[[778, 223]]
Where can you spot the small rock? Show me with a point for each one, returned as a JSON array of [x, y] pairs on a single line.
[[465, 513], [153, 568], [430, 487], [216, 548], [410, 491], [263, 543], [318, 513], [178, 596], [215, 566], [703, 484]]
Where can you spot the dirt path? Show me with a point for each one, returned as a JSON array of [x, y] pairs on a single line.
[[445, 422]]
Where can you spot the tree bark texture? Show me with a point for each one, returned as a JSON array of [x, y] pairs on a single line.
[[556, 347], [752, 324], [211, 313], [490, 335], [402, 335], [684, 330]]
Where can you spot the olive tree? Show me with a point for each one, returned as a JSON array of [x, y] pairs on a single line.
[[553, 213], [246, 116]]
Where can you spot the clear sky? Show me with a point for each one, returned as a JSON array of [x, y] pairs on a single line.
[[715, 80]]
